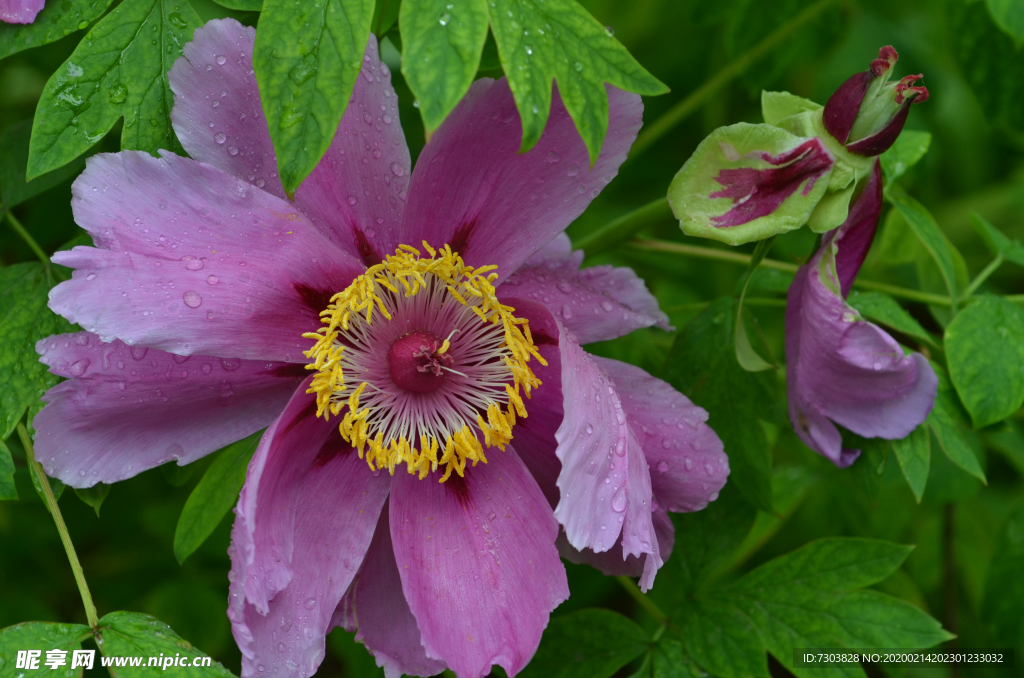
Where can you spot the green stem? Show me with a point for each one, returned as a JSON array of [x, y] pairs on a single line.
[[983, 276], [27, 237], [633, 590], [51, 503], [733, 70], [744, 260], [625, 227]]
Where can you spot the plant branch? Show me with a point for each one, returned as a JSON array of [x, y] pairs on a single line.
[[51, 503], [983, 276], [730, 72], [625, 227], [744, 260], [634, 591], [27, 237]]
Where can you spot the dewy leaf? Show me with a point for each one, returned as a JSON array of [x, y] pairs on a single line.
[[914, 453], [540, 41], [118, 69], [24, 320], [909, 147], [749, 182], [996, 240], [93, 496], [214, 495], [133, 634], [307, 58], [442, 41], [747, 357], [947, 423], [702, 364], [14, 190], [985, 351], [590, 643], [883, 309], [8, 491], [55, 21], [928, 232], [1009, 16], [1003, 599], [42, 636]]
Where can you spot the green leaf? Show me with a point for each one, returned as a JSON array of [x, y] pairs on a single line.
[[946, 421], [540, 41], [41, 636], [883, 309], [241, 5], [702, 364], [118, 69], [24, 320], [93, 496], [1009, 16], [214, 495], [747, 357], [1003, 600], [996, 241], [133, 634], [55, 21], [590, 643], [442, 42], [8, 491], [722, 639], [985, 352], [990, 61], [928, 232], [385, 14], [669, 660], [14, 190], [307, 58], [909, 148], [914, 453]]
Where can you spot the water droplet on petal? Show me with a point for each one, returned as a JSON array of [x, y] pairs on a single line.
[[663, 466], [397, 169], [232, 150], [212, 280], [220, 137], [573, 169], [221, 59], [78, 367], [619, 500], [310, 603], [192, 299]]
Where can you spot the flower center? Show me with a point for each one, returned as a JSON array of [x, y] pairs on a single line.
[[416, 362], [403, 393]]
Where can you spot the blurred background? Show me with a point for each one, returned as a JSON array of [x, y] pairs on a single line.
[[975, 74]]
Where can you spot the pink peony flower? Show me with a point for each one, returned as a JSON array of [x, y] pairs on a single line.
[[393, 329], [20, 11]]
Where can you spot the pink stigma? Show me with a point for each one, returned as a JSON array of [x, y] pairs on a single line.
[[415, 364]]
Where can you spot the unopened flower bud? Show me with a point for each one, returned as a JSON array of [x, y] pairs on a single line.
[[867, 112]]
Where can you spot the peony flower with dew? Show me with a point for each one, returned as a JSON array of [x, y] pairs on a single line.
[[20, 11], [412, 340]]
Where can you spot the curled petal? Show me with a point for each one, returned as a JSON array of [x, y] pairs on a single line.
[[748, 182], [126, 409], [612, 562]]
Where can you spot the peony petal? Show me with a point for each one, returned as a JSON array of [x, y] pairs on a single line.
[[595, 304], [217, 113], [845, 369], [355, 195], [605, 482], [385, 622], [688, 464], [475, 191], [303, 523], [192, 260], [478, 563], [20, 11], [124, 410], [858, 232], [611, 562]]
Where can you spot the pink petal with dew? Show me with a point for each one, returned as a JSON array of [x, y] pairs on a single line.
[[20, 11], [612, 562], [478, 563], [595, 304], [475, 191], [127, 409], [605, 482], [759, 192], [355, 195], [376, 606], [303, 524], [687, 460], [189, 260]]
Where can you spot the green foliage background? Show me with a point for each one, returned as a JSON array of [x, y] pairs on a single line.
[[954, 489]]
